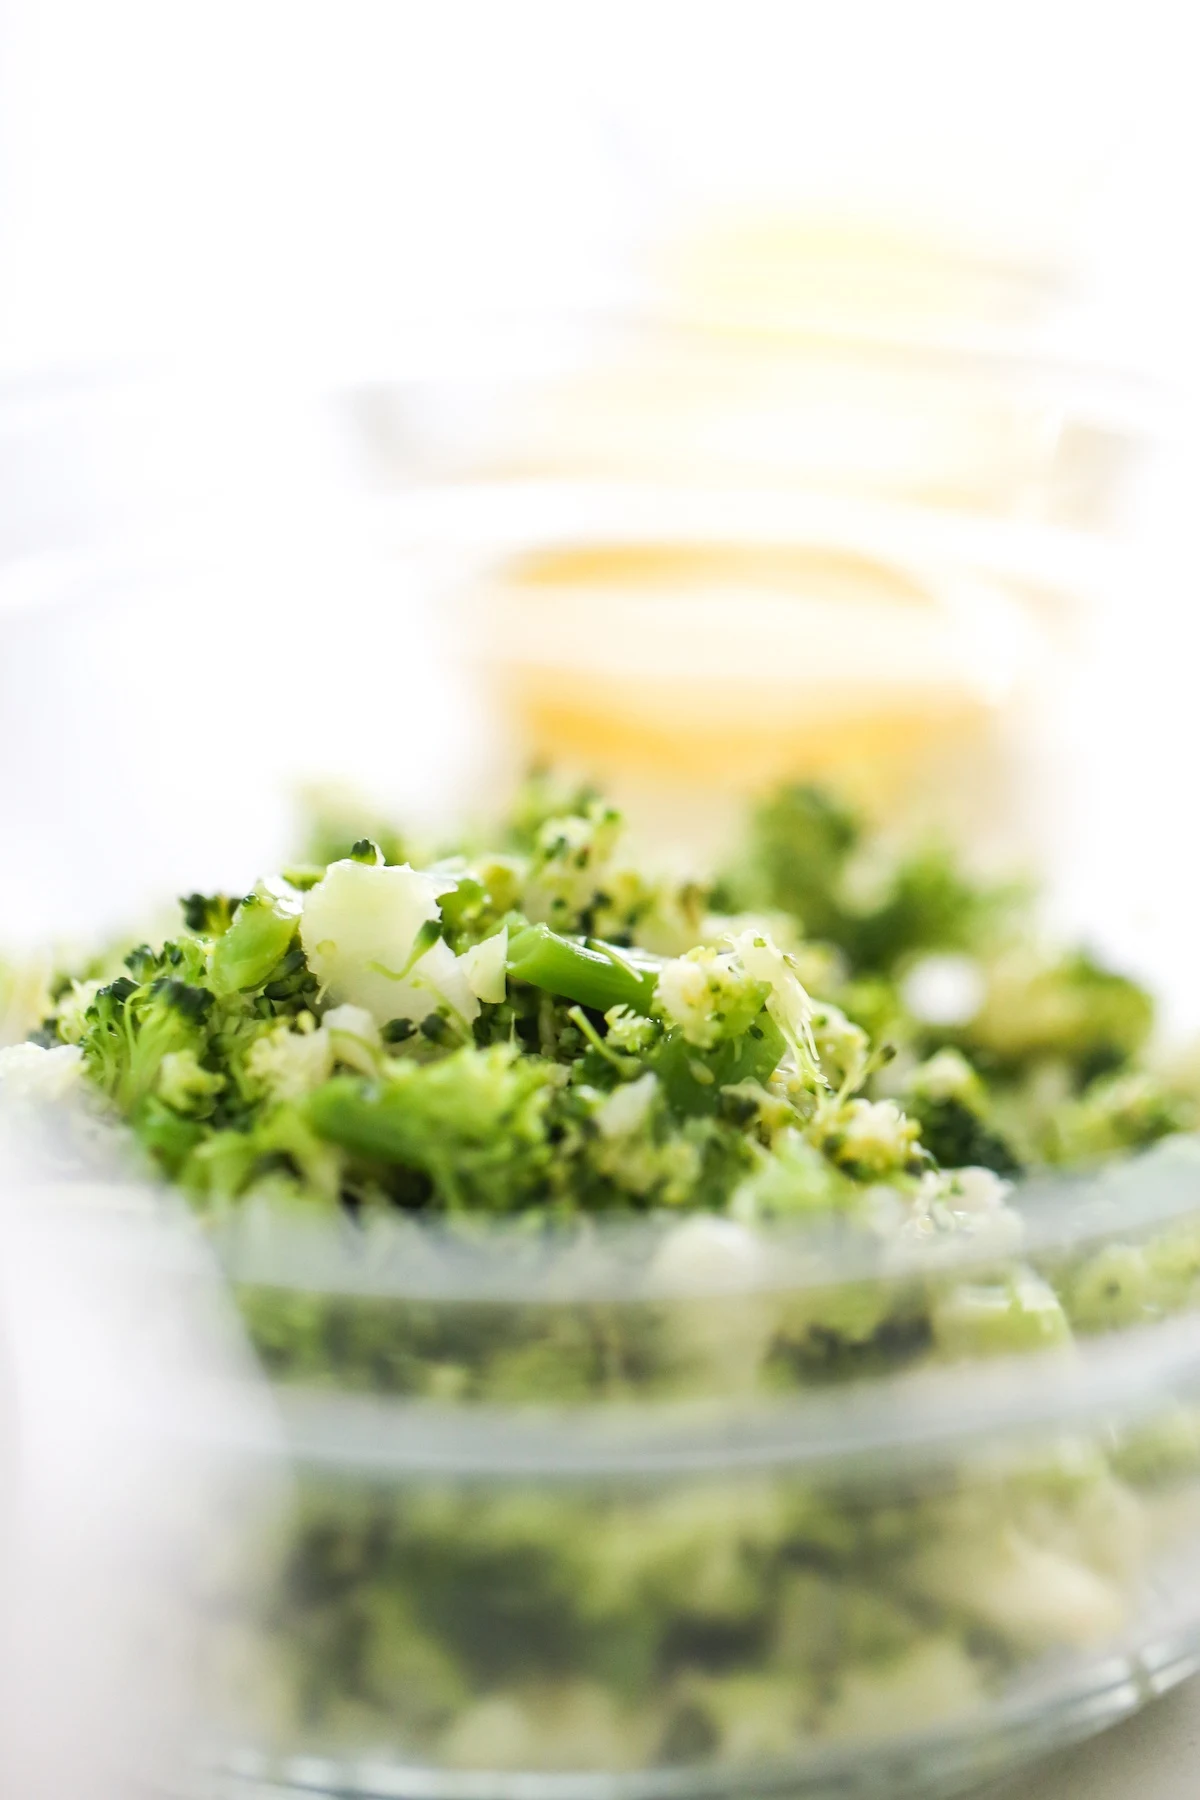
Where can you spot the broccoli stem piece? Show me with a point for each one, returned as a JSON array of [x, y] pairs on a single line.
[[593, 974], [261, 933]]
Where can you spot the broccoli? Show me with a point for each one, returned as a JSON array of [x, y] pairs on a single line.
[[812, 857], [477, 1032], [949, 1102], [547, 1032], [132, 1026], [208, 915], [250, 950], [473, 1122], [335, 819]]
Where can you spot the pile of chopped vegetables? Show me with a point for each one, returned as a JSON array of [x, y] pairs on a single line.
[[548, 1024], [835, 1028]]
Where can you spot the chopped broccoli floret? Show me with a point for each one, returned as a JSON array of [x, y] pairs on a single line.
[[550, 1026], [208, 915], [474, 1123], [650, 1049]]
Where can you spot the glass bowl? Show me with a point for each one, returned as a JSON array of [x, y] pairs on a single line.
[[670, 1508], [687, 1506]]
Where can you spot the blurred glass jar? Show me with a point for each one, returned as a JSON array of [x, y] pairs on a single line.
[[832, 509], [643, 547]]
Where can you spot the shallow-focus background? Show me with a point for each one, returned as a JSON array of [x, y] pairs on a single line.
[[697, 395], [391, 391]]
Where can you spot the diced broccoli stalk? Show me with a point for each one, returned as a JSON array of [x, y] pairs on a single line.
[[372, 936], [1021, 1312], [595, 975], [1036, 1595], [249, 951]]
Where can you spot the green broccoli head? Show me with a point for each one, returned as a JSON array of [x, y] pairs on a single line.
[[336, 819], [132, 1025], [541, 797], [473, 1123], [950, 1104], [813, 857], [800, 842], [207, 915], [1068, 1009]]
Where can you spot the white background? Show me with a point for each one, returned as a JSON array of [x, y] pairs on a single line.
[[283, 179], [276, 187]]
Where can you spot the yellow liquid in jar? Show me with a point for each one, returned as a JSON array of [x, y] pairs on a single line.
[[731, 667]]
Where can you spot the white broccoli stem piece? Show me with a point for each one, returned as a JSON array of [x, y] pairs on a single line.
[[1036, 1596], [484, 966], [1021, 1312], [362, 932], [551, 1725], [354, 1038], [702, 1270], [752, 1715], [934, 1680]]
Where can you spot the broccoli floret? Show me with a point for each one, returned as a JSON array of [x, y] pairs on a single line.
[[541, 797], [186, 1087], [336, 819], [802, 856], [709, 997], [872, 1138], [473, 1122], [568, 869], [801, 840], [949, 1102], [929, 904], [1129, 1111], [1070, 1009], [130, 1027], [208, 915]]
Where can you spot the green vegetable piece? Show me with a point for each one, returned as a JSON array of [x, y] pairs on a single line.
[[1114, 1288], [594, 974], [260, 936], [463, 904], [207, 914], [1020, 1313], [957, 1138], [473, 1123], [693, 1079], [169, 1138]]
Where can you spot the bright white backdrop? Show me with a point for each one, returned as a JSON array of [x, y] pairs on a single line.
[[282, 187], [303, 179]]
